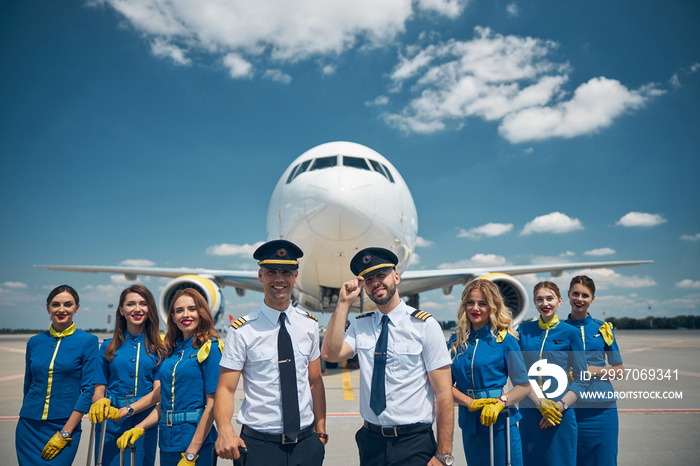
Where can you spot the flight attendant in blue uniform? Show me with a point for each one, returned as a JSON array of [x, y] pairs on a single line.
[[188, 378], [485, 353], [549, 434], [598, 425], [126, 387], [58, 385]]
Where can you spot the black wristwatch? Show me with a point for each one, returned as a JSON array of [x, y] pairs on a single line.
[[129, 411], [189, 456], [64, 434]]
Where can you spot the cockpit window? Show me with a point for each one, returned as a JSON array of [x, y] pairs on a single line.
[[298, 170], [382, 170], [324, 162], [355, 162]]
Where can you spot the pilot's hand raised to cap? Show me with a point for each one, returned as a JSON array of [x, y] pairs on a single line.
[[351, 289]]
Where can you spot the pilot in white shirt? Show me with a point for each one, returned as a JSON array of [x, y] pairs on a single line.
[[276, 350]]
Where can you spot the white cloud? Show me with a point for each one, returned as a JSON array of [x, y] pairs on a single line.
[[512, 9], [695, 237], [477, 260], [640, 219], [415, 259], [120, 280], [328, 70], [226, 249], [674, 81], [510, 79], [277, 75], [163, 49], [556, 222], [605, 278], [423, 243], [694, 67], [278, 30], [489, 229], [563, 257], [600, 252], [238, 67], [137, 263], [687, 283], [594, 106], [15, 285], [379, 101]]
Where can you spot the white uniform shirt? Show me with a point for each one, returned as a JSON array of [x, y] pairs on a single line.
[[252, 349], [414, 348]]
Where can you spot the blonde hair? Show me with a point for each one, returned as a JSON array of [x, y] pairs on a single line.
[[499, 316]]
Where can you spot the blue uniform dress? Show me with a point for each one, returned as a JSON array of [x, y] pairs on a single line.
[[598, 425], [562, 346], [58, 379], [184, 384], [128, 377], [480, 371]]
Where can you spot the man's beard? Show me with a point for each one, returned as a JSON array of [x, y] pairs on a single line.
[[390, 292]]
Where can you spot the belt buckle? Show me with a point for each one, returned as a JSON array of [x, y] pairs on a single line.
[[470, 394], [126, 400], [169, 418], [392, 432], [290, 442]]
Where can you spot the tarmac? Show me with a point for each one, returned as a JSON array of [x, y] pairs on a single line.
[[653, 428]]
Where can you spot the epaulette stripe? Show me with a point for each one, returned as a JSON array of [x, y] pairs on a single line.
[[311, 316], [422, 315], [238, 322], [364, 315]]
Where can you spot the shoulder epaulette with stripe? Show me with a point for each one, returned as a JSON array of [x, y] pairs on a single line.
[[421, 315], [365, 315], [311, 316], [238, 323]]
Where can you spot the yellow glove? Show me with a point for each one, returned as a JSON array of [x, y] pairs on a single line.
[[54, 446], [490, 413], [550, 411], [184, 462], [112, 413], [480, 403], [130, 436], [98, 410]]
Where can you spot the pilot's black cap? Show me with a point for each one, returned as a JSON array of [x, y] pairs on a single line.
[[278, 254], [371, 261]]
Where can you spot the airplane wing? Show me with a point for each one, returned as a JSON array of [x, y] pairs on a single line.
[[418, 281], [247, 280]]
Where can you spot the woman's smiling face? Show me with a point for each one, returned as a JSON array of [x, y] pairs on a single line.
[[547, 302]]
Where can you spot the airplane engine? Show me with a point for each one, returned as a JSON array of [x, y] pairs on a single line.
[[203, 284], [514, 294]]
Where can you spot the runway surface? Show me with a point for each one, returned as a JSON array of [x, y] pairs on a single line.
[[652, 430]]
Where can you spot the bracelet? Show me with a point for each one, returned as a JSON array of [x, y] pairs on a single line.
[[322, 436]]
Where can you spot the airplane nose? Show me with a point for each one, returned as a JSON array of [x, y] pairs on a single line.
[[339, 204]]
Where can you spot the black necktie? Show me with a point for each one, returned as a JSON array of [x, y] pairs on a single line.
[[377, 399], [288, 382]]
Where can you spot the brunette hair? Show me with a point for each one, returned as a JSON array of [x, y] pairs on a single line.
[[499, 316], [549, 286], [60, 289], [154, 344], [205, 328], [583, 280]]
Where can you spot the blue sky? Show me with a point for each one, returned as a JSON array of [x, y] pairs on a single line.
[[148, 132]]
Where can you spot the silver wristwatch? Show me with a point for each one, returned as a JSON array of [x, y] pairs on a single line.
[[129, 411], [447, 459], [64, 433], [504, 399], [189, 456]]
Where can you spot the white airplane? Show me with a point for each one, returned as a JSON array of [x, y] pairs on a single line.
[[332, 201]]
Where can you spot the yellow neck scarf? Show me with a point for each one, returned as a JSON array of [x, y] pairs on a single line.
[[69, 331], [553, 322]]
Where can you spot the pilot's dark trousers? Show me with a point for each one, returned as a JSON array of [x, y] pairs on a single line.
[[309, 451], [404, 450]]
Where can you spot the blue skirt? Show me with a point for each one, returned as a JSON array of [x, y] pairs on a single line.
[[476, 448], [598, 430], [145, 445], [31, 437], [554, 446]]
